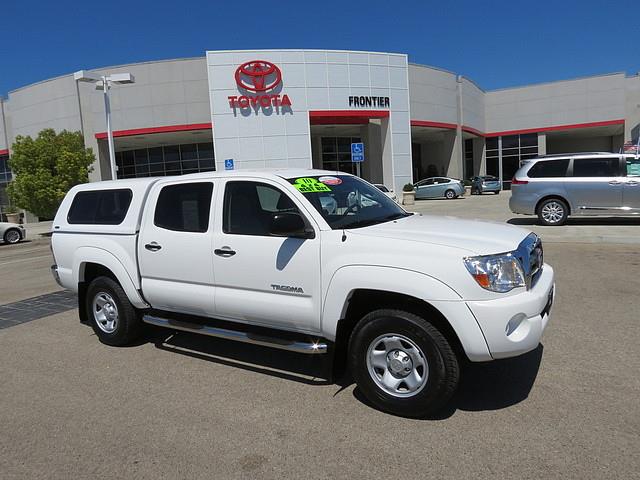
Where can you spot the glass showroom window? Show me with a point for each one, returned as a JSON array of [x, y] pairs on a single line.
[[506, 154], [493, 157], [468, 159], [167, 160], [336, 154]]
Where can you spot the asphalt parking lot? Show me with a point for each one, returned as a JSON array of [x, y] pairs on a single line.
[[183, 406]]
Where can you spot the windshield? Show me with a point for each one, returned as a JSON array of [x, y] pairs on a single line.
[[346, 201]]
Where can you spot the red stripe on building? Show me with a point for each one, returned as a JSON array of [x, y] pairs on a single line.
[[473, 131], [605, 123], [165, 129], [349, 113], [426, 123], [345, 117], [4, 152]]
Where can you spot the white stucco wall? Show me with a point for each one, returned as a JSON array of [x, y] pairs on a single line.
[[314, 80]]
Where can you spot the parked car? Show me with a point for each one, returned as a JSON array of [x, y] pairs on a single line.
[[438, 187], [402, 299], [12, 232], [387, 191], [555, 187], [486, 183]]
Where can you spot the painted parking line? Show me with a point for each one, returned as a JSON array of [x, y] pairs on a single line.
[[36, 307]]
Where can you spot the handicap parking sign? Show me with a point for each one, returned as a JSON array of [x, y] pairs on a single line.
[[357, 152], [228, 164]]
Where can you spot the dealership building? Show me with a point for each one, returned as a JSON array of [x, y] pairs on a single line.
[[304, 108]]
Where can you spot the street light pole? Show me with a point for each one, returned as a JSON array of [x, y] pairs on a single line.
[[104, 82], [107, 111]]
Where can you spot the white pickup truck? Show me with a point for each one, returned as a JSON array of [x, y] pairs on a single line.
[[311, 261]]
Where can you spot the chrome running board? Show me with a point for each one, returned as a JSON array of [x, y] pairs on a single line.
[[246, 337]]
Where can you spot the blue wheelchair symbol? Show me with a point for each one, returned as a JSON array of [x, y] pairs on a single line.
[[357, 152], [228, 164]]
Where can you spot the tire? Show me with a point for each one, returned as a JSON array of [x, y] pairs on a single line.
[[553, 212], [496, 193], [12, 236], [104, 297], [450, 195], [397, 335]]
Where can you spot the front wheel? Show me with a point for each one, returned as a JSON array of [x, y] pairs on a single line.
[[553, 212], [12, 236], [112, 317], [402, 363], [450, 194]]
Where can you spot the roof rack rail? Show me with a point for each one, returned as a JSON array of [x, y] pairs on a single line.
[[571, 154]]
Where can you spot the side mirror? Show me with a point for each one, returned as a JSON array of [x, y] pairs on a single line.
[[290, 224]]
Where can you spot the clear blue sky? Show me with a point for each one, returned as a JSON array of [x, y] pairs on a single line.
[[497, 44]]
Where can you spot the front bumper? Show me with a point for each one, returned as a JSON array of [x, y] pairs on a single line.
[[514, 325]]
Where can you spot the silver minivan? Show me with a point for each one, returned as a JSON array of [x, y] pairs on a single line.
[[554, 187]]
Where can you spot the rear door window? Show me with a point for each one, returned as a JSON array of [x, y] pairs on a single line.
[[549, 169], [184, 207], [100, 207], [633, 167], [596, 167]]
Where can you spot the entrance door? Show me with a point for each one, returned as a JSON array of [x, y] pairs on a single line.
[[174, 248], [261, 278]]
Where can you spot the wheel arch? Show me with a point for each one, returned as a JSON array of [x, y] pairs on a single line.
[[385, 287], [90, 263]]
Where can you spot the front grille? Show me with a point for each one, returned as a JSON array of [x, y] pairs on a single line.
[[531, 257]]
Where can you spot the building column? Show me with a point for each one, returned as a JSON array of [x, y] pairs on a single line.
[[542, 144], [372, 168], [479, 157], [387, 154]]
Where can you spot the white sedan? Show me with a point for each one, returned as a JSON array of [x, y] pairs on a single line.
[[12, 232], [389, 193]]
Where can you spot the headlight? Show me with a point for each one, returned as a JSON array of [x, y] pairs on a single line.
[[498, 273]]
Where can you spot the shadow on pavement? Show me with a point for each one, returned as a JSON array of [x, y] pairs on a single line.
[[297, 367], [484, 386], [490, 385]]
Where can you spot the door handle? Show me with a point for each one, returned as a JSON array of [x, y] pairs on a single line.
[[224, 252], [153, 247], [632, 183], [614, 182]]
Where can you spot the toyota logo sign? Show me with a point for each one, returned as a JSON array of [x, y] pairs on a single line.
[[258, 76], [258, 81]]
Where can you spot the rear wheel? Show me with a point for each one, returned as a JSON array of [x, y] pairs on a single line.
[[402, 363], [450, 194], [112, 317], [553, 212], [12, 236]]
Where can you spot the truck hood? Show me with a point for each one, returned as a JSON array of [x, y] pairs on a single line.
[[473, 236]]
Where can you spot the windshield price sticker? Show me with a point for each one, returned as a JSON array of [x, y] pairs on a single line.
[[310, 185], [330, 180]]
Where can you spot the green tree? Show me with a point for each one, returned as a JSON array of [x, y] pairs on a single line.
[[45, 168]]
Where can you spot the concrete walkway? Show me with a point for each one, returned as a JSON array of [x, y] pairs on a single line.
[[37, 230]]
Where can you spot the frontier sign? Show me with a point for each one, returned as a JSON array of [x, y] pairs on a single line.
[[260, 83]]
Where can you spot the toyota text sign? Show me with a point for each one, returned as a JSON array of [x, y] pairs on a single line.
[[260, 83]]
